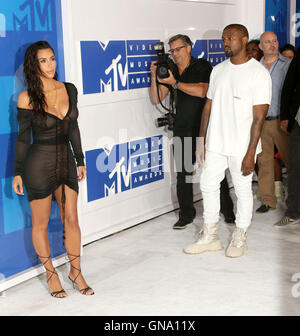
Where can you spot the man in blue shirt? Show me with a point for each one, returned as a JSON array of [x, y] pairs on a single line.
[[272, 134]]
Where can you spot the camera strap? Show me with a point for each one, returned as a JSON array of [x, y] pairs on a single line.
[[175, 96]]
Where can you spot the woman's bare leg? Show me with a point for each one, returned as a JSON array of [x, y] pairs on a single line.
[[72, 233], [40, 210]]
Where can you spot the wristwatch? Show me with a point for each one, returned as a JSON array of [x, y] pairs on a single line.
[[174, 86]]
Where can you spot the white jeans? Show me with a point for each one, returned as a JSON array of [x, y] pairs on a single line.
[[213, 173]]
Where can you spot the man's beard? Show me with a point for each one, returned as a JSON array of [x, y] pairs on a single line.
[[228, 52]]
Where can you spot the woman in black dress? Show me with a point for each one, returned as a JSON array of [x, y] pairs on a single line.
[[47, 167]]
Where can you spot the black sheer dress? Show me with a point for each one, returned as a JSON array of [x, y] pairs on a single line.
[[49, 161]]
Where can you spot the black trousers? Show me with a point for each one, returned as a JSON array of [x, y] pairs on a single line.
[[293, 199], [184, 148]]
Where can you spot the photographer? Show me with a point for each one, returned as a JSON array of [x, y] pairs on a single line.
[[188, 83]]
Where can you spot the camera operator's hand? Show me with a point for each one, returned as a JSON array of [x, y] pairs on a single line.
[[158, 92], [169, 80], [200, 151], [153, 68]]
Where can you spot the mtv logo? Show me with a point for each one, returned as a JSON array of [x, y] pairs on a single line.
[[200, 49], [32, 15], [108, 171], [123, 167], [104, 66]]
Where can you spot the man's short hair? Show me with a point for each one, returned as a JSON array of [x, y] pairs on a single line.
[[184, 38], [240, 28]]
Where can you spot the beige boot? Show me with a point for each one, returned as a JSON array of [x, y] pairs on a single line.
[[279, 191], [208, 241], [238, 244]]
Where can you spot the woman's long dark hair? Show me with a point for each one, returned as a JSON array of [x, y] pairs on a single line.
[[32, 76]]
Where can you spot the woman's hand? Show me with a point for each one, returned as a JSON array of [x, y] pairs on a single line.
[[18, 185], [81, 173]]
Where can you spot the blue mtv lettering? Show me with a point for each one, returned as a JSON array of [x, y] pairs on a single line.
[[215, 59], [140, 146], [140, 64], [145, 177], [41, 9], [141, 47], [200, 49], [141, 162], [146, 145], [109, 171], [215, 46], [104, 66], [124, 166], [139, 80], [156, 158], [155, 142]]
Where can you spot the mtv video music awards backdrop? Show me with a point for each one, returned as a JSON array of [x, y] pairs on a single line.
[[115, 66], [283, 18], [21, 23], [105, 49], [125, 65]]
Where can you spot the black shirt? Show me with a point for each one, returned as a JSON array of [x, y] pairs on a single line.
[[189, 108], [290, 94]]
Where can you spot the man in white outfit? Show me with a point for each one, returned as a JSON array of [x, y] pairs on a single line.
[[239, 96]]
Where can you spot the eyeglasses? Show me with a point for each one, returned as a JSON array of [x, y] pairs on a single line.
[[176, 49]]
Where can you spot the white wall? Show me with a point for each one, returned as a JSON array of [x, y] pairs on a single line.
[[104, 114]]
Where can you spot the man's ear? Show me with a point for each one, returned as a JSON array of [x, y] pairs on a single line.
[[245, 40]]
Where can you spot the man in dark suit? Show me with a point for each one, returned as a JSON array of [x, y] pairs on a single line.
[[290, 123]]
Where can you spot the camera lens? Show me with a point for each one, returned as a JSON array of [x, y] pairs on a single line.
[[162, 72]]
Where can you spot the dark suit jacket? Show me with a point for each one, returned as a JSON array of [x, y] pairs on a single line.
[[290, 95]]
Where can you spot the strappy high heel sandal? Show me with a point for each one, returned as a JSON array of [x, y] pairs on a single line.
[[84, 290], [56, 293]]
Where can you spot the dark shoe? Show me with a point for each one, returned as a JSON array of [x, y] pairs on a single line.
[[56, 294], [88, 291], [229, 218], [181, 224], [264, 208], [287, 220]]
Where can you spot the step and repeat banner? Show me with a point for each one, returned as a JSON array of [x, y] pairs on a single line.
[[130, 170], [283, 18], [105, 48], [21, 23]]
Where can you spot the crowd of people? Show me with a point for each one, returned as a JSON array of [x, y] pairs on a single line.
[[283, 64], [247, 105]]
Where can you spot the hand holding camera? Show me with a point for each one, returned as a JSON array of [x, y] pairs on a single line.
[[169, 80]]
